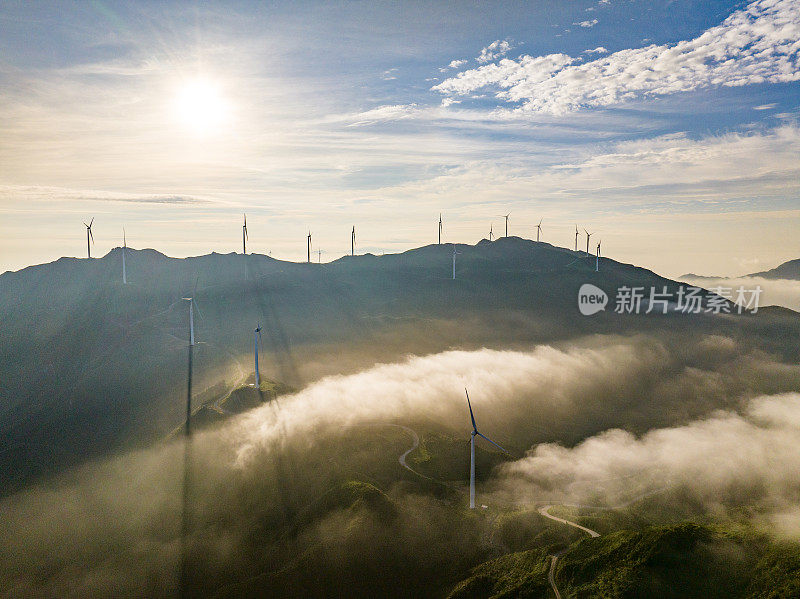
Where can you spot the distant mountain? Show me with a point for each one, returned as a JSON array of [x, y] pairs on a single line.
[[88, 364], [787, 270]]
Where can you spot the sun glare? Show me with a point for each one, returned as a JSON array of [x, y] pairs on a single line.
[[200, 107]]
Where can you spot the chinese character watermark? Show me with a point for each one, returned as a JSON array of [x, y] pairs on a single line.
[[683, 300]]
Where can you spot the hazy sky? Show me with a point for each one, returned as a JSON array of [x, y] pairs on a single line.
[[668, 128]]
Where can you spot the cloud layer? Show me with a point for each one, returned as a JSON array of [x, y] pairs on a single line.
[[757, 44], [718, 461], [263, 480]]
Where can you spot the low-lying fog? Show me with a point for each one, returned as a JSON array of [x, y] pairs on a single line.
[[597, 421]]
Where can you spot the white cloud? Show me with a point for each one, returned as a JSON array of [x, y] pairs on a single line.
[[493, 51], [757, 44], [454, 64], [392, 112], [726, 458], [587, 24], [765, 106], [598, 50]]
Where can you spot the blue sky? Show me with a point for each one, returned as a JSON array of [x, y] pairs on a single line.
[[667, 128]]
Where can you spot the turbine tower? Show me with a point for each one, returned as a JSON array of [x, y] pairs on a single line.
[[440, 228], [319, 256], [455, 253], [472, 452], [539, 229], [576, 238], [491, 232], [588, 235], [256, 339], [597, 258], [88, 237], [189, 371], [244, 235], [505, 216], [309, 247], [353, 242], [124, 251]]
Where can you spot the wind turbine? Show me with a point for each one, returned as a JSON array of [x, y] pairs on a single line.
[[491, 232], [472, 452], [244, 235], [455, 253], [505, 216], [576, 238], [256, 339], [588, 235], [539, 229], [189, 371], [309, 247], [597, 258], [89, 236], [353, 242], [124, 251], [440, 228], [319, 256]]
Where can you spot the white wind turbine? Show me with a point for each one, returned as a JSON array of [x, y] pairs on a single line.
[[455, 253], [124, 251], [588, 235], [576, 238], [597, 258], [491, 231], [89, 236], [256, 340], [472, 452], [539, 229], [505, 216], [189, 371], [244, 236]]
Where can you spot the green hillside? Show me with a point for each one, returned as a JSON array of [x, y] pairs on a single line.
[[686, 560]]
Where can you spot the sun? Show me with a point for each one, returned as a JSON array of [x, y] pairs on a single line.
[[200, 106]]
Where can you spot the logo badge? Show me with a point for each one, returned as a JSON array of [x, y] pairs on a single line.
[[591, 299]]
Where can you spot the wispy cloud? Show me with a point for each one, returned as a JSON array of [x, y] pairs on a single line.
[[757, 44], [598, 50], [35, 193], [587, 24], [382, 113]]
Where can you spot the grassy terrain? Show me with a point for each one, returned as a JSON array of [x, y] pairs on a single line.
[[685, 560]]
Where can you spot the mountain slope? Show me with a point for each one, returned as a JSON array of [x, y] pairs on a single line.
[[787, 270], [686, 560], [88, 364]]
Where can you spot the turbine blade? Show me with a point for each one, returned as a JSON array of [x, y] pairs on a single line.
[[91, 235], [90, 222], [471, 415], [492, 442], [197, 307], [194, 294]]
